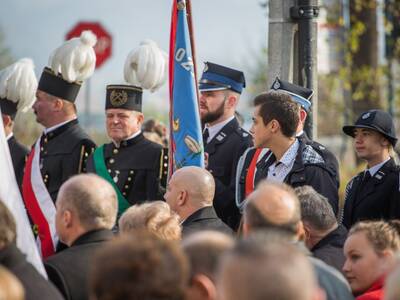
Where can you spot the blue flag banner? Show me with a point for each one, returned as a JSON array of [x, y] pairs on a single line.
[[186, 145]]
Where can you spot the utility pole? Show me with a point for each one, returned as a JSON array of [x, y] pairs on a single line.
[[292, 47]]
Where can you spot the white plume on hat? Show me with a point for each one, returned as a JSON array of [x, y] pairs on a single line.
[[75, 59], [18, 83], [146, 66]]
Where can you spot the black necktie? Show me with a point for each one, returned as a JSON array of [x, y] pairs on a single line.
[[206, 135], [367, 176]]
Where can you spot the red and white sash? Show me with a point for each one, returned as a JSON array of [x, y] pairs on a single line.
[[39, 204]]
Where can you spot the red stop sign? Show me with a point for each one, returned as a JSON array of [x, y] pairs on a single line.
[[103, 47]]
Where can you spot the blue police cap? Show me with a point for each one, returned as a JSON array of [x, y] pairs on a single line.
[[377, 120], [216, 77], [298, 93]]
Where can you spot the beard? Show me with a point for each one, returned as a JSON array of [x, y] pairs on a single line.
[[212, 116]]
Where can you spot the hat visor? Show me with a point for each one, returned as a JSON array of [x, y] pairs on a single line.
[[204, 87], [349, 130]]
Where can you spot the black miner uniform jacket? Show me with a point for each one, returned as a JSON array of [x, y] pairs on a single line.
[[309, 168], [63, 153], [138, 166], [18, 155], [224, 151], [374, 199]]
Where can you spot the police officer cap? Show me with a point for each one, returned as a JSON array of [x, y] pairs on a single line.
[[298, 93], [377, 120], [127, 97], [216, 77]]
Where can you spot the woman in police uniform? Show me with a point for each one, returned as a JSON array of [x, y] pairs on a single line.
[[374, 193]]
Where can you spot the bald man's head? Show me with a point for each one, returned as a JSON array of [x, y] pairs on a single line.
[[190, 187], [92, 199], [273, 205]]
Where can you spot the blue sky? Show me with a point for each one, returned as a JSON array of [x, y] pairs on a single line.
[[227, 32]]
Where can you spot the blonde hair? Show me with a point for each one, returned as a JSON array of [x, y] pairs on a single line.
[[10, 287], [380, 234], [156, 217]]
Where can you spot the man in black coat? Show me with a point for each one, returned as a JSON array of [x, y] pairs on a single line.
[[63, 148], [190, 193], [323, 236], [375, 192], [134, 165], [35, 285], [17, 92], [86, 212], [279, 155], [224, 140]]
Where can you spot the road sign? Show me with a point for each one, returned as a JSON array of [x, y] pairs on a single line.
[[103, 47]]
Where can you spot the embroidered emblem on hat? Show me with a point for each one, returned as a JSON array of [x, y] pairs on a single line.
[[205, 68], [118, 98], [181, 5], [276, 85], [366, 116]]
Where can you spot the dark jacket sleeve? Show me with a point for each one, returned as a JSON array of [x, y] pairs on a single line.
[[324, 183]]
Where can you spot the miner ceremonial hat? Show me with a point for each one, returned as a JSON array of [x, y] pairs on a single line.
[[18, 86], [145, 67], [127, 97], [69, 66], [377, 120], [216, 77], [298, 93]]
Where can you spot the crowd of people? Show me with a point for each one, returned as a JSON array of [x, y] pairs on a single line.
[[261, 220]]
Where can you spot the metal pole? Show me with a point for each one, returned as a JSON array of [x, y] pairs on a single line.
[[304, 12]]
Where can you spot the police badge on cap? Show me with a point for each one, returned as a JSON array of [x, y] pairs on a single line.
[[18, 86], [70, 64], [298, 93], [216, 77]]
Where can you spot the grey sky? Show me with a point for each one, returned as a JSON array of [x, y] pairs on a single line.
[[228, 32]]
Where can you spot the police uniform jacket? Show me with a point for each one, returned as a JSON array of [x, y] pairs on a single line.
[[69, 269], [35, 285], [330, 159], [18, 156], [224, 151], [204, 219], [378, 198], [309, 168], [136, 167], [63, 153]]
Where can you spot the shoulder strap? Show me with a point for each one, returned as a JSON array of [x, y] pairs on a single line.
[[101, 170]]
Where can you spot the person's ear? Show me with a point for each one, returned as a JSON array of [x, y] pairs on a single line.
[[67, 218], [203, 287], [58, 104], [303, 115], [231, 101], [300, 231], [182, 198]]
